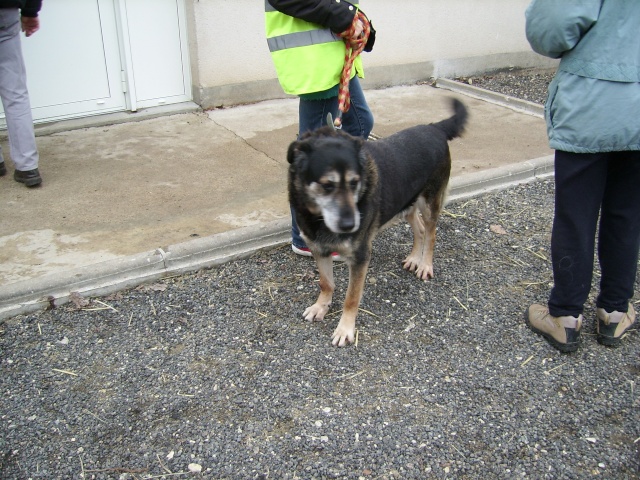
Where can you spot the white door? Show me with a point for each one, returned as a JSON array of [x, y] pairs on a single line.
[[73, 61], [100, 56], [155, 52]]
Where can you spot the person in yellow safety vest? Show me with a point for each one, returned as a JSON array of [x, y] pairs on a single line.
[[306, 41]]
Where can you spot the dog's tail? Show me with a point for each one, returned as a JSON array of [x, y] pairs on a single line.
[[454, 126]]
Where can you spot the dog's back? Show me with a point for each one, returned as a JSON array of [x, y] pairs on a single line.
[[413, 160]]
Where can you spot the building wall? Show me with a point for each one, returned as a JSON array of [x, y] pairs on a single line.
[[416, 41]]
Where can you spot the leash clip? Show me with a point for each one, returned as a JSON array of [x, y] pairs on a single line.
[[337, 124]]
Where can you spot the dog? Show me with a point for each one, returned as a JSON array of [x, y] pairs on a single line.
[[344, 190]]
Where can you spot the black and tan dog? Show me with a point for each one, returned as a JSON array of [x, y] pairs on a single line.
[[344, 190]]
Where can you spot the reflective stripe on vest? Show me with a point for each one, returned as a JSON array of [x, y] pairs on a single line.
[[301, 39], [308, 58]]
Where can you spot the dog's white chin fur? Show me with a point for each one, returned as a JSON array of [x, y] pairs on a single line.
[[331, 221]]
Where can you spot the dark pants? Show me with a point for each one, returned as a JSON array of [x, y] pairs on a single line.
[[588, 186]]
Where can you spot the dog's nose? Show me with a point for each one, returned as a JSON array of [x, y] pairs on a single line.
[[346, 223]]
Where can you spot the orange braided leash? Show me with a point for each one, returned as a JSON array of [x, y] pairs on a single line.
[[355, 46]]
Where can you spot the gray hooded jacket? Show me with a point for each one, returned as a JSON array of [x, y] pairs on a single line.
[[594, 99]]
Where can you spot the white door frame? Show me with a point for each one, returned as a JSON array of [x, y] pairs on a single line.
[[127, 61]]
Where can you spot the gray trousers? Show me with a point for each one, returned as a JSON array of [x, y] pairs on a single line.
[[13, 90]]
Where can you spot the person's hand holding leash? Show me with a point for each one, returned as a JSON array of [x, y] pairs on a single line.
[[357, 29]]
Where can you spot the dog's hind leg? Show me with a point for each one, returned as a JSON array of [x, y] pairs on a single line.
[[318, 310], [420, 259], [346, 329], [414, 259]]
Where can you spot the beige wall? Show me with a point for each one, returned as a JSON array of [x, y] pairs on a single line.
[[417, 40]]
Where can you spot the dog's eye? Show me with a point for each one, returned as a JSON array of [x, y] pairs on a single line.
[[353, 184], [328, 187]]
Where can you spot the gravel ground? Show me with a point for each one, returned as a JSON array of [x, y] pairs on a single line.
[[528, 84], [216, 371]]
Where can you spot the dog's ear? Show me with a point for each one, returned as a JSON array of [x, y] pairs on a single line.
[[298, 156], [291, 152], [297, 150], [362, 154]]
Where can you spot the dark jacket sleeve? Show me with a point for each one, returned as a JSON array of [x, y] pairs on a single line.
[[31, 8], [336, 15], [28, 8]]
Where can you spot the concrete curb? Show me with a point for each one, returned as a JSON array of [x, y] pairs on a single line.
[[110, 276], [474, 184], [521, 106]]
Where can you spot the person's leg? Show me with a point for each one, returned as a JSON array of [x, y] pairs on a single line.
[[619, 236], [15, 97], [6, 24], [579, 189], [312, 114], [358, 120], [618, 246], [298, 244], [579, 186], [3, 167]]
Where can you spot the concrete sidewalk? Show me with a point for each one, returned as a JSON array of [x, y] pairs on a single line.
[[131, 202]]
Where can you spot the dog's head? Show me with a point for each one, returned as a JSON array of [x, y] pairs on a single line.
[[327, 170]]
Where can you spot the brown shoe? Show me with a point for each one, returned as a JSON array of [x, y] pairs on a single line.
[[611, 326], [561, 332]]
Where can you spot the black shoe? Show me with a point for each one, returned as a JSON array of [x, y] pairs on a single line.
[[30, 178], [3, 169]]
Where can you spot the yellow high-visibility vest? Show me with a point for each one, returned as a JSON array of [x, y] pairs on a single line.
[[308, 57]]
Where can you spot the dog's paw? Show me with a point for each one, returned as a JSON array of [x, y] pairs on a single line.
[[317, 311], [422, 270], [412, 262], [342, 336]]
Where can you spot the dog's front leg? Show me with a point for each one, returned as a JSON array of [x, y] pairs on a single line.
[[318, 310], [346, 329]]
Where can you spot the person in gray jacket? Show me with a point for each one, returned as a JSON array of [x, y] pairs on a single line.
[[16, 16], [593, 122]]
